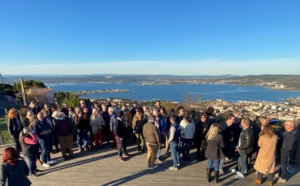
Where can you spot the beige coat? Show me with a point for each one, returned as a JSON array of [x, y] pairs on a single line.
[[265, 161]]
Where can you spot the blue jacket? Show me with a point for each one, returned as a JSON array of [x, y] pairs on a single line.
[[40, 127], [162, 123], [15, 175], [119, 128]]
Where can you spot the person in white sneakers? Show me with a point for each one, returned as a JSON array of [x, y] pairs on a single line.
[[244, 147], [43, 133]]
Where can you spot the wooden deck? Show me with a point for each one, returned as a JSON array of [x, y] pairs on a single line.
[[102, 167]]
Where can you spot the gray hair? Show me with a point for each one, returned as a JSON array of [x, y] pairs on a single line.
[[110, 109]]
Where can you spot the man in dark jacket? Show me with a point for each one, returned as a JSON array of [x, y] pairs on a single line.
[[245, 145], [289, 136], [227, 130], [120, 132], [82, 127], [43, 133]]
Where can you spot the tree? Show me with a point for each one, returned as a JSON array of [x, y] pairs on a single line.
[[8, 90], [194, 101], [29, 84], [67, 97]]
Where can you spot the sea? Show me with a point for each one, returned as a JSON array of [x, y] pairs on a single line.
[[176, 92]]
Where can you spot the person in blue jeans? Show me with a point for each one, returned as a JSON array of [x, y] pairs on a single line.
[[43, 132], [245, 146], [174, 142], [82, 127], [214, 152]]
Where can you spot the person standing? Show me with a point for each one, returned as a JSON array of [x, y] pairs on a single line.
[[213, 152], [14, 128], [289, 137], [173, 140], [82, 128], [14, 170], [43, 133], [151, 135], [180, 111], [187, 134], [112, 120], [106, 130], [200, 141], [245, 146], [97, 123], [138, 123], [226, 129], [64, 130], [120, 132], [265, 161], [159, 125], [29, 142], [127, 118]]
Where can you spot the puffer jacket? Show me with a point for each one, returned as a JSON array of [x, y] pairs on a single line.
[[246, 138]]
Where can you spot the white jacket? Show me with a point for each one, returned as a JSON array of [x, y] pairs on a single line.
[[187, 129]]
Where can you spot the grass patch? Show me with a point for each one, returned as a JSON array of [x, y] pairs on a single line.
[[4, 132], [6, 137]]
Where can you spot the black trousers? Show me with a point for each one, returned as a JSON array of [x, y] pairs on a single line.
[[284, 160]]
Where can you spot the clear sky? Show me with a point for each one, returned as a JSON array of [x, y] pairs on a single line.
[[183, 37]]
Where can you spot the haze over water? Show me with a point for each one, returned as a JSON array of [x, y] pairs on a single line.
[[176, 92]]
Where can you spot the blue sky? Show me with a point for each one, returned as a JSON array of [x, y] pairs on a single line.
[[150, 37]]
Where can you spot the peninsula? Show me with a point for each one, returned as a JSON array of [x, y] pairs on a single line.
[[80, 93]]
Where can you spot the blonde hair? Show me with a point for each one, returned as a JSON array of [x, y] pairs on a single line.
[[95, 110], [267, 130], [32, 104], [213, 131]]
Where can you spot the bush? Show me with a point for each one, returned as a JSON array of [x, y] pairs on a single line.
[[67, 97], [29, 84]]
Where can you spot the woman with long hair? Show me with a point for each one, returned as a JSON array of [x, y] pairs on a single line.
[[265, 161], [30, 117], [15, 127], [214, 153], [138, 122], [14, 170]]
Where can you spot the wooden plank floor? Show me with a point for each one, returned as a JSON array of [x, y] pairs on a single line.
[[102, 167]]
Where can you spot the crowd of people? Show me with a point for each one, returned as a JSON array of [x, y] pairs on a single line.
[[51, 129]]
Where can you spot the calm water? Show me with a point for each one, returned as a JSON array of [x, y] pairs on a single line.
[[175, 92]]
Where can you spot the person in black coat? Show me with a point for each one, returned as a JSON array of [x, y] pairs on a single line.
[[15, 127], [245, 146], [214, 152], [14, 170], [227, 130], [289, 137], [120, 131], [200, 132]]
